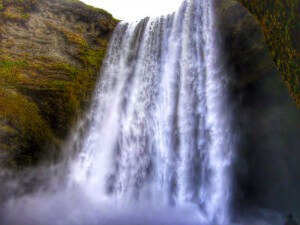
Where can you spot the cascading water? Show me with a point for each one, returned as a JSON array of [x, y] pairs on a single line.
[[158, 133], [157, 146]]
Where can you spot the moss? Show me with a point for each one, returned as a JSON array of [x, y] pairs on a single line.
[[18, 110], [71, 36], [8, 130], [71, 71], [1, 5], [63, 97], [9, 71], [98, 10], [46, 85], [33, 132], [89, 7], [280, 23], [93, 58], [15, 10], [60, 99]]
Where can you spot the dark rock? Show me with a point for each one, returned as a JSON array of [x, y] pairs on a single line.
[[266, 118]]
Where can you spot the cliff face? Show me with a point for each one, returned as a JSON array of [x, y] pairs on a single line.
[[266, 118], [50, 56], [280, 22]]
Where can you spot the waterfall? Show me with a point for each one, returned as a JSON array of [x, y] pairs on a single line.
[[157, 146], [159, 127]]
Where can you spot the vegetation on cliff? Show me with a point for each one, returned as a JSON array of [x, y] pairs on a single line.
[[50, 55], [280, 21]]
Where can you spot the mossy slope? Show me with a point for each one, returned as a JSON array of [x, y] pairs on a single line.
[[50, 55]]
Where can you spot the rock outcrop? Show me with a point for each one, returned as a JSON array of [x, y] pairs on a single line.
[[266, 119], [280, 23], [50, 56]]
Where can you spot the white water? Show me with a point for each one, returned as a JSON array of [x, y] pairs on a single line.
[[159, 148], [159, 134]]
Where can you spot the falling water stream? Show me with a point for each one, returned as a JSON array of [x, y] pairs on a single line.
[[159, 134], [159, 138]]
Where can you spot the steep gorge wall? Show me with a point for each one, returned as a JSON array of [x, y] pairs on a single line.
[[266, 118], [50, 56], [280, 22]]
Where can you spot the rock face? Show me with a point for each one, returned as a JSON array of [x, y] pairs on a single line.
[[280, 22], [266, 118], [50, 56]]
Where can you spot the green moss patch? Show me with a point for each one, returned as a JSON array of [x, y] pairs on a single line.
[[70, 36], [15, 13], [41, 97], [24, 115], [1, 5], [47, 73], [15, 10]]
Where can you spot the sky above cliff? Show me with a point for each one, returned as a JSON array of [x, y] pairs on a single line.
[[131, 10]]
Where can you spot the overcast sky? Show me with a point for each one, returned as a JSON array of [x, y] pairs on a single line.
[[131, 10]]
